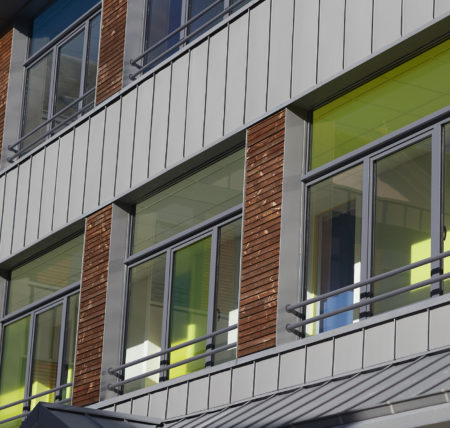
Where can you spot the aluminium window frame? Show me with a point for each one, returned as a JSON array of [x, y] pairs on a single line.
[[432, 126]]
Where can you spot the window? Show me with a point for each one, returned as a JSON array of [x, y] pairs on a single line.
[[383, 208], [39, 330], [61, 69], [184, 271]]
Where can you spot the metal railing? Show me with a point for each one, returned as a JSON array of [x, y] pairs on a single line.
[[52, 126], [434, 278], [118, 371], [183, 34], [28, 399]]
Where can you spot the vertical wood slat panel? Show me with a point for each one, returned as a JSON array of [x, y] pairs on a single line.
[[415, 14], [63, 180], [258, 59], [280, 52], [20, 214], [48, 188], [8, 212], [112, 126], [441, 7], [236, 74], [358, 30], [387, 22], [126, 139], [34, 201], [331, 38], [142, 132], [195, 112], [78, 174], [94, 161], [158, 141], [304, 60], [215, 87], [177, 116]]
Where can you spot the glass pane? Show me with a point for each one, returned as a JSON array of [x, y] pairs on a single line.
[[144, 325], [187, 203], [334, 246], [56, 18], [396, 98], [46, 274], [37, 97], [227, 287], [189, 303], [195, 7], [70, 343], [70, 57], [241, 4], [164, 16], [45, 354], [402, 222], [446, 232], [92, 58], [13, 367]]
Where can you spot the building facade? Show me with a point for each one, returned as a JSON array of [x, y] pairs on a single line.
[[225, 213]]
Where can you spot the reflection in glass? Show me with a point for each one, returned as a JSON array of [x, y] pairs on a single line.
[[189, 303], [144, 325], [13, 368], [334, 246], [402, 222], [195, 7], [227, 287], [46, 274], [446, 231], [92, 58], [189, 202], [69, 344]]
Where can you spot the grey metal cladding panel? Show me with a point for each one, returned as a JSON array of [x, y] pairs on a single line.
[[379, 344], [439, 336], [441, 7], [126, 139], [112, 125], [358, 30], [158, 404], [158, 141], [242, 382], [348, 352], [62, 187], [304, 56], [331, 38], [387, 22], [20, 216], [292, 368], [215, 89], [94, 161], [416, 13], [177, 116], [198, 395], [195, 113], [124, 407], [8, 212], [142, 132], [258, 59], [34, 201], [48, 188], [411, 335], [319, 360], [176, 405], [280, 52], [140, 406], [78, 175], [266, 375], [220, 388], [236, 73]]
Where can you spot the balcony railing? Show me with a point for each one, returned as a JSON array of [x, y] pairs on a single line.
[[118, 371], [26, 401], [298, 309]]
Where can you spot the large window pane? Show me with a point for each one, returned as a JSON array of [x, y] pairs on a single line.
[[197, 6], [189, 303], [189, 202], [46, 274], [334, 246], [13, 367], [144, 326], [92, 58], [396, 98], [446, 231], [402, 222]]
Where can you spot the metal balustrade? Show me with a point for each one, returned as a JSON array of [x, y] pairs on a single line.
[[434, 278]]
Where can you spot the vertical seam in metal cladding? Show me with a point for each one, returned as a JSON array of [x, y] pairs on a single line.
[[246, 67], [86, 163], [206, 92], [292, 49], [118, 141], [372, 26], [225, 80], [130, 182], [54, 190], [101, 159], [70, 174], [428, 328], [151, 124], [3, 209], [27, 203], [363, 345], [14, 213], [318, 40], [279, 359], [395, 338], [434, 9], [401, 17], [254, 378], [186, 101], [168, 115], [268, 56], [306, 360], [343, 34], [187, 395], [40, 196], [333, 355]]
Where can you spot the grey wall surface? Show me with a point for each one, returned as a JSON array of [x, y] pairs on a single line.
[[272, 52]]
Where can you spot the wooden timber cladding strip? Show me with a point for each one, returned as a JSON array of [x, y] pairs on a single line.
[[5, 59], [112, 42], [261, 234], [88, 359]]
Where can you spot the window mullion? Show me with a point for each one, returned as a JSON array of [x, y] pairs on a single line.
[[51, 96], [165, 359], [212, 292], [62, 335], [84, 61], [27, 389]]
